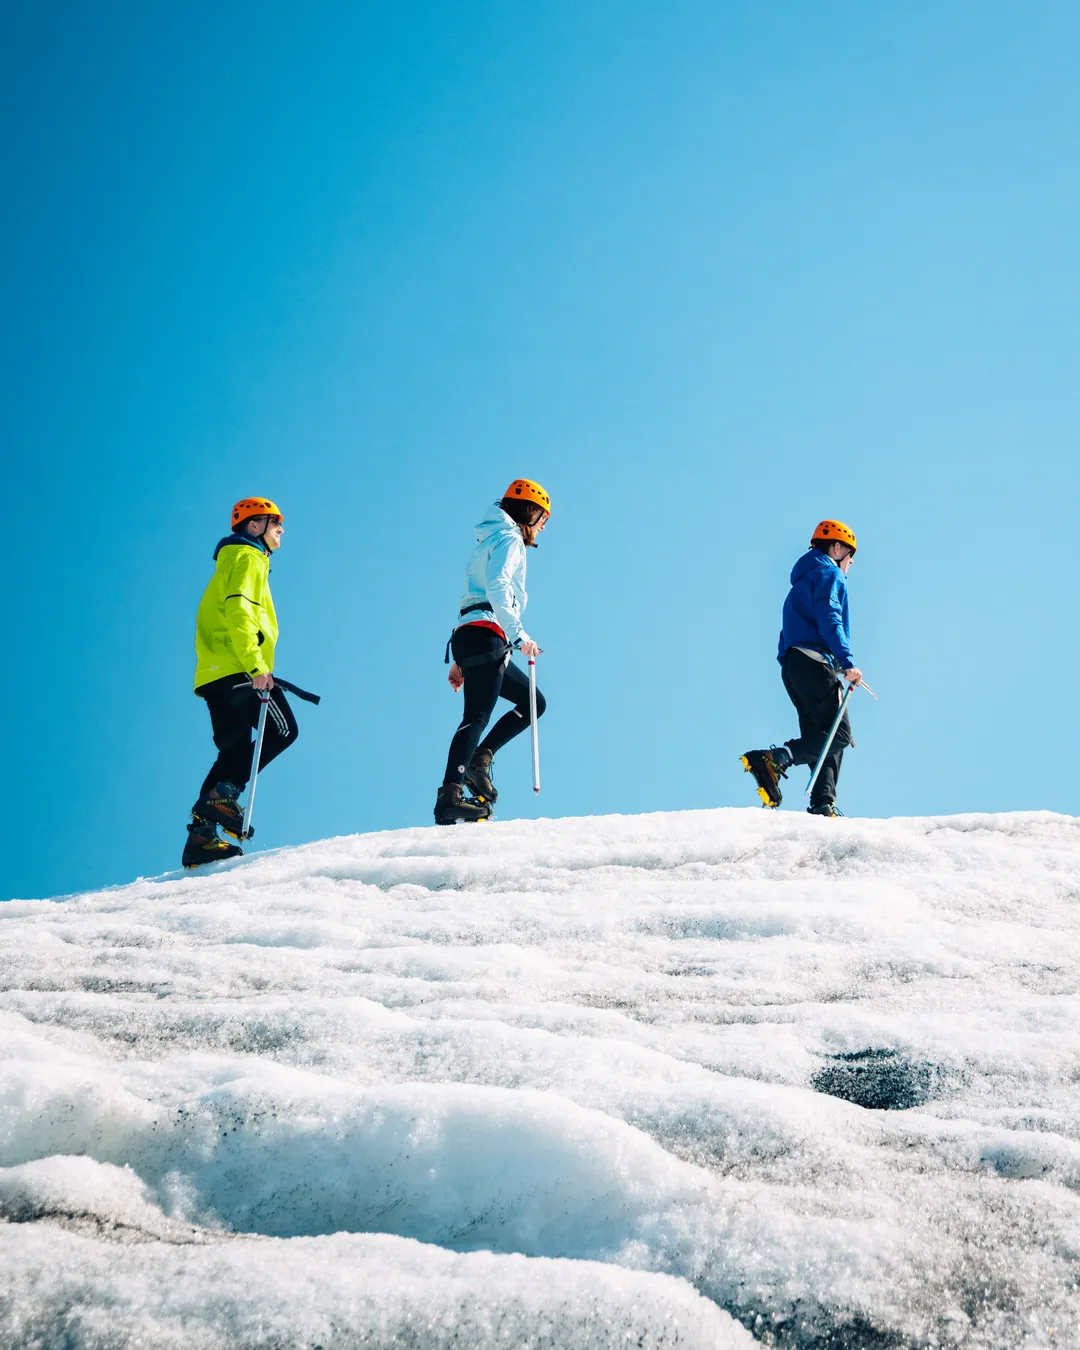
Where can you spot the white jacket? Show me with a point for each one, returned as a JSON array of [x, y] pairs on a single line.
[[496, 573]]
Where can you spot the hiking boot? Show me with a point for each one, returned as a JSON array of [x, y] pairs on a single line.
[[204, 846], [824, 809], [453, 807], [478, 777], [768, 767], [220, 807]]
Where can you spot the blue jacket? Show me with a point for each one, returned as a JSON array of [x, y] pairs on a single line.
[[816, 610], [496, 573]]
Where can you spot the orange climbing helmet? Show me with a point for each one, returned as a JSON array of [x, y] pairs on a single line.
[[524, 490], [834, 531], [254, 506]]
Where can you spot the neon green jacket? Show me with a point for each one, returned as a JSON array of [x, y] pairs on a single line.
[[236, 628]]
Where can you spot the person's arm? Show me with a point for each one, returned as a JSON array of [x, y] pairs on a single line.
[[244, 585], [505, 558], [829, 616]]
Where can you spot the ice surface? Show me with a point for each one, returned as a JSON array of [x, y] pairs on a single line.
[[555, 1083]]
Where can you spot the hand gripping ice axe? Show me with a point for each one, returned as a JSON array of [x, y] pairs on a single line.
[[532, 724], [833, 730]]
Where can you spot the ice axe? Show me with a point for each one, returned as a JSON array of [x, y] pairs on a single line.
[[532, 724], [833, 730], [260, 732], [264, 702]]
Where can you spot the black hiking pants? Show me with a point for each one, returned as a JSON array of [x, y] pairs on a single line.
[[234, 715], [816, 690], [483, 685]]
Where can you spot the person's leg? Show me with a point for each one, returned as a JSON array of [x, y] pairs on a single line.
[[825, 787], [233, 715], [281, 729], [232, 736], [515, 687], [481, 691], [816, 690]]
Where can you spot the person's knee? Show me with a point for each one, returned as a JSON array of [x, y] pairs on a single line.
[[541, 703], [281, 720], [477, 717]]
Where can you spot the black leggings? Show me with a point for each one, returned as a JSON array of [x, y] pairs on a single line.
[[816, 690], [234, 715], [483, 685]]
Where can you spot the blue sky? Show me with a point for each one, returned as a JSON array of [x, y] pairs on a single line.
[[708, 271]]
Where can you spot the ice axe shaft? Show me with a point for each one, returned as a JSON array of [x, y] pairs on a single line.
[[829, 739], [532, 724], [264, 700]]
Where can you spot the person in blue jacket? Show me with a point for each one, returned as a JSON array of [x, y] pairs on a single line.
[[815, 659], [489, 628]]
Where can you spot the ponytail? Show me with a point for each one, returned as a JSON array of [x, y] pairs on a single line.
[[526, 516]]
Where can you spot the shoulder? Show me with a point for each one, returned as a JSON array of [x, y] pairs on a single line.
[[508, 541], [234, 556], [824, 576]]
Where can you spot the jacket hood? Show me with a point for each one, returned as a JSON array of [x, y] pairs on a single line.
[[495, 522], [811, 561], [241, 539]]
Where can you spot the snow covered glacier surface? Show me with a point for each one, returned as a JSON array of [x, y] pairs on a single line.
[[700, 1079]]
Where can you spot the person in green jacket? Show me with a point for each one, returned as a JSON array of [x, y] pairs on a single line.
[[236, 631]]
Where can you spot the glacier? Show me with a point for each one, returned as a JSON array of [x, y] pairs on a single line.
[[699, 1079]]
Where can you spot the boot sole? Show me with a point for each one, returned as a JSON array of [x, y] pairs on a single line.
[[206, 862], [466, 820], [765, 795]]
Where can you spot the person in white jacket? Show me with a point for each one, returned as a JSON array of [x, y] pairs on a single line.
[[489, 628]]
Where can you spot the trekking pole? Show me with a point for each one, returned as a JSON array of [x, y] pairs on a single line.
[[829, 739], [264, 700], [532, 723]]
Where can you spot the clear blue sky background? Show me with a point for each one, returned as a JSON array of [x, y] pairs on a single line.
[[709, 271]]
